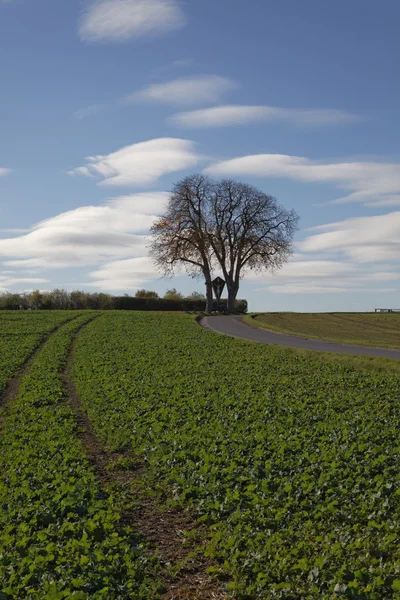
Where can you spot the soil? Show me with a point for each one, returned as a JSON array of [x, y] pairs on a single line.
[[172, 535]]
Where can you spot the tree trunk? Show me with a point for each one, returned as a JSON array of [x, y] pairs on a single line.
[[232, 300], [209, 295]]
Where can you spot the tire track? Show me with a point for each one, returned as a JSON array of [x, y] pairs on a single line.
[[172, 535], [11, 389]]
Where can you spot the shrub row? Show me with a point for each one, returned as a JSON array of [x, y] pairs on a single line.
[[63, 300], [186, 304]]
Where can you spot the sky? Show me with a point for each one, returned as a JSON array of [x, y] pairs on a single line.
[[105, 104]]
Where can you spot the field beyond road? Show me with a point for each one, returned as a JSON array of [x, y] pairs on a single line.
[[366, 329]]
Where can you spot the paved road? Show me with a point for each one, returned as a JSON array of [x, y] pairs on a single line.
[[235, 327]]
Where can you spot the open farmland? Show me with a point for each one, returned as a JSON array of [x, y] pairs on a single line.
[[59, 533], [21, 334], [291, 465], [366, 329]]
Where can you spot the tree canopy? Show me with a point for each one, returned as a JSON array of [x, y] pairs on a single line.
[[226, 225]]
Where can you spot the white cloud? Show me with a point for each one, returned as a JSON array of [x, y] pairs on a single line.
[[89, 111], [126, 274], [142, 163], [361, 257], [363, 239], [306, 269], [371, 183], [364, 255], [4, 172], [199, 89], [295, 289], [305, 288], [7, 281], [87, 235], [220, 116], [122, 20], [15, 230]]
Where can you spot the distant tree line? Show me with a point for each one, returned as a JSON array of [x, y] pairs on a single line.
[[60, 299]]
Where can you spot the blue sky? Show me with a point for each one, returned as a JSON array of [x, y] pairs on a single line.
[[300, 99]]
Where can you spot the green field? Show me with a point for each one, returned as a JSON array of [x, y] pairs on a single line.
[[20, 335], [290, 466], [367, 329]]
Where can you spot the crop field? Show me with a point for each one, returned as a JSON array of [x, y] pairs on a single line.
[[290, 466], [20, 334], [59, 537], [367, 329]]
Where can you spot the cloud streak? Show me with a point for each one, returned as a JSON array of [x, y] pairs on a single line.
[[88, 235], [201, 89], [140, 164], [354, 255], [328, 276], [370, 183], [7, 281], [362, 255], [364, 240], [124, 20], [125, 274], [89, 111], [231, 114]]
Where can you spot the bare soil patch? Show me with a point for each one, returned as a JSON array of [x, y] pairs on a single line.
[[170, 534]]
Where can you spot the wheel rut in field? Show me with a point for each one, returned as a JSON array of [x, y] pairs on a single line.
[[171, 535], [11, 389]]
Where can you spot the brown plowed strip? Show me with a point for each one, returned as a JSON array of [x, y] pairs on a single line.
[[183, 574]]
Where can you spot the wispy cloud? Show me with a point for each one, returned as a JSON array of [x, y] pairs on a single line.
[[234, 114], [113, 236], [174, 65], [89, 111], [200, 89], [125, 274], [7, 282], [360, 255], [370, 183], [4, 172], [306, 288], [364, 239], [316, 276], [14, 230], [122, 20], [142, 163], [88, 235]]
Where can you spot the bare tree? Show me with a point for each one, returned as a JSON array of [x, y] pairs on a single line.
[[227, 224], [248, 230], [180, 237]]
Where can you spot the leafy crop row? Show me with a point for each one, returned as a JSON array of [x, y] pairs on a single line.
[[21, 334], [59, 533], [294, 463]]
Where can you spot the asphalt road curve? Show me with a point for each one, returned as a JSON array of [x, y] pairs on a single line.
[[235, 327]]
